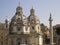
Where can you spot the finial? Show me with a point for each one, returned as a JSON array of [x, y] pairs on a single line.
[[32, 11], [32, 7], [50, 14], [19, 3], [50, 19]]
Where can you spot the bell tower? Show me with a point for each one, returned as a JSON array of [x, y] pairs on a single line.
[[35, 29]]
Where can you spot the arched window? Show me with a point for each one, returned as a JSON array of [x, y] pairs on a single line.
[[12, 42], [33, 27], [18, 19], [26, 28], [26, 41], [18, 43], [18, 28]]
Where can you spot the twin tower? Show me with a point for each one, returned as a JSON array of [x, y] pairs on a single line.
[[25, 30]]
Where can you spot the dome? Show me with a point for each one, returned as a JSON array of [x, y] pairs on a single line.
[[19, 19], [17, 22], [32, 11], [33, 18], [19, 8]]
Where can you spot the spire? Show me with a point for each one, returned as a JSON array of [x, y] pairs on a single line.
[[50, 15], [32, 7], [19, 3], [50, 19], [51, 30]]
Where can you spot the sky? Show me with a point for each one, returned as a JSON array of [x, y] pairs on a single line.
[[43, 8]]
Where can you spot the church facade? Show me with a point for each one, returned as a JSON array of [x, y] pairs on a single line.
[[22, 30]]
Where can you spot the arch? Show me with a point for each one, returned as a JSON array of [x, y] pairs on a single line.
[[18, 41]]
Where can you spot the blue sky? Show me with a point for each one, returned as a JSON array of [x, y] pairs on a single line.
[[43, 8]]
